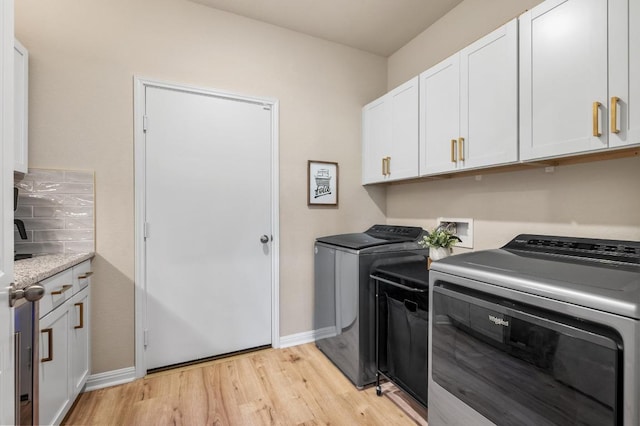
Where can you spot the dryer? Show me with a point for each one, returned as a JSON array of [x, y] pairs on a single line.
[[544, 331], [344, 296]]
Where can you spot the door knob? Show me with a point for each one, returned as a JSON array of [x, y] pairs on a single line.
[[264, 239], [31, 293]]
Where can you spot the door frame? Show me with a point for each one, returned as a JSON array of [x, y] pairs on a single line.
[[140, 85]]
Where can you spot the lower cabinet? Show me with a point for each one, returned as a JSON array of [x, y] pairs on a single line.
[[54, 395], [79, 340], [64, 358]]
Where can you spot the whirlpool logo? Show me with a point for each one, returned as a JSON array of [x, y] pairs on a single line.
[[499, 321]]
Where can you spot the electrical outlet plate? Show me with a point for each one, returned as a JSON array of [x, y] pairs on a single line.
[[463, 229]]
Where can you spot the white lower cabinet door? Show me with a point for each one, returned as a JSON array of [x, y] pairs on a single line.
[[54, 366], [79, 340]]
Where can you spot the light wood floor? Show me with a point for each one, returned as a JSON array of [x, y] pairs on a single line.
[[293, 386]]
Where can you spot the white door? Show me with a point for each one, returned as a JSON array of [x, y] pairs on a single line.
[[489, 99], [403, 146], [563, 78], [376, 134], [208, 206], [6, 212], [440, 116], [624, 62]]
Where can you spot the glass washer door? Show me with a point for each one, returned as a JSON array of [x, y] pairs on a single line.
[[516, 364]]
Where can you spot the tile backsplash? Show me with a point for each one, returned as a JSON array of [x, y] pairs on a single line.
[[57, 208]]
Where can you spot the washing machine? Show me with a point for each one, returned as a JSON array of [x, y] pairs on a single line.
[[344, 295]]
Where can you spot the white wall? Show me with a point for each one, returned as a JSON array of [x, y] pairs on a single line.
[[466, 23], [598, 199], [84, 55]]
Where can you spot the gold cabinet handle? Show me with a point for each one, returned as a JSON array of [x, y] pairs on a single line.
[[49, 332], [596, 120], [614, 114], [85, 275], [461, 149], [388, 166], [62, 289], [453, 150], [81, 306]]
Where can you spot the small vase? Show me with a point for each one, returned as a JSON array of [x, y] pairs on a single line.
[[437, 253]]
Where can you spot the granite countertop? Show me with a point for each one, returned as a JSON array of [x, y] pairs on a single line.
[[38, 268]]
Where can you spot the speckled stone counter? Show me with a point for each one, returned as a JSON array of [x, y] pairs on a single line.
[[38, 268]]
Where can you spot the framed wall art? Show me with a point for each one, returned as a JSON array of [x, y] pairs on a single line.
[[322, 183]]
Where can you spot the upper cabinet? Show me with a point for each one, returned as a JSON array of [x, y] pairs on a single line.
[[559, 81], [440, 116], [390, 135], [576, 59], [624, 69], [469, 106], [21, 112]]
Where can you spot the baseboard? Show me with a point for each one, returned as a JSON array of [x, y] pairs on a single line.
[[110, 378], [126, 375], [306, 337]]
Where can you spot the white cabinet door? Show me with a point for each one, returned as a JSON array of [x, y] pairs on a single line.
[[624, 69], [54, 366], [21, 110], [489, 99], [390, 135], [6, 212], [440, 117], [79, 340], [376, 131], [563, 78], [402, 157]]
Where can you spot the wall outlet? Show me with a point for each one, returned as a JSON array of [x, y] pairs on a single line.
[[462, 227]]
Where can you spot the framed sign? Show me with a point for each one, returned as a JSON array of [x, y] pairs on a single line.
[[322, 183]]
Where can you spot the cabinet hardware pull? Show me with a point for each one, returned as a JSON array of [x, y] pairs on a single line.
[[596, 121], [81, 306], [614, 114], [48, 331], [62, 290], [461, 149], [388, 166], [453, 150], [85, 275]]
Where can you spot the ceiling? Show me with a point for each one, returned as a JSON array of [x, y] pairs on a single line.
[[376, 26]]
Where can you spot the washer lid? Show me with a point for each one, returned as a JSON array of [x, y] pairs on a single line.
[[377, 235], [593, 282]]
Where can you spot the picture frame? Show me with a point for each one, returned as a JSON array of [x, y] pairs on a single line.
[[322, 183]]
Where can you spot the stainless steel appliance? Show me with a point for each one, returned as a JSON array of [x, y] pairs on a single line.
[[22, 231], [344, 299], [544, 331], [24, 302]]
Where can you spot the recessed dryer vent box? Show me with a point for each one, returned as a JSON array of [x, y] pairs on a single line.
[[463, 228]]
